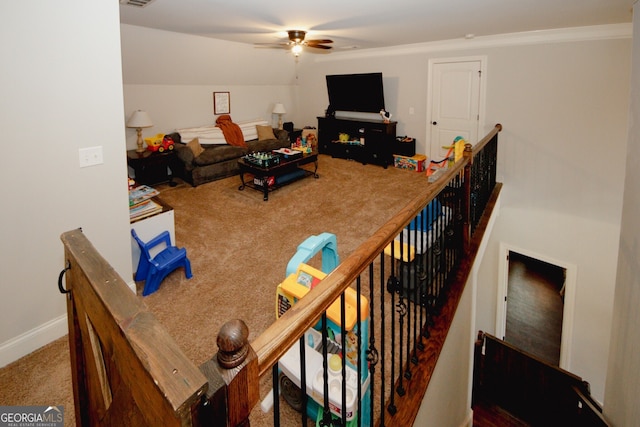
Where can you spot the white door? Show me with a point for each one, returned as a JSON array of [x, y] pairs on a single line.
[[453, 103]]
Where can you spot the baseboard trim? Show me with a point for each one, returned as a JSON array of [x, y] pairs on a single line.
[[468, 422], [23, 344]]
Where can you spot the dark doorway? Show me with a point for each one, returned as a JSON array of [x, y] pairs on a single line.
[[535, 305]]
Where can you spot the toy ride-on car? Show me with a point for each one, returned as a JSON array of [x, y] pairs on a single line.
[[348, 352], [160, 143]]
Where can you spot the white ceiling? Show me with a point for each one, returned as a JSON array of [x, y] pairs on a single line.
[[366, 24]]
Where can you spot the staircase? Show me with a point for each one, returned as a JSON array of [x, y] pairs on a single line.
[[514, 388]]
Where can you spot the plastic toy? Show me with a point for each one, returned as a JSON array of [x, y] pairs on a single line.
[[160, 143], [154, 268], [301, 278], [456, 148], [386, 116]]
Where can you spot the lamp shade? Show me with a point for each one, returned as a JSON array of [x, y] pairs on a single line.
[[279, 109], [139, 119]]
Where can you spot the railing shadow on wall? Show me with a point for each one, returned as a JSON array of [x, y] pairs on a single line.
[[407, 279]]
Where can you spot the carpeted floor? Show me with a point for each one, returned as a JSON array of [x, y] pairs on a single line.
[[239, 246]]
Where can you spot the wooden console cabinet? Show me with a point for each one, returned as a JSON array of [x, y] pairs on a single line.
[[370, 141]]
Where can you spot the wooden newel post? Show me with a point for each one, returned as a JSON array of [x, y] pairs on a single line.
[[466, 207], [233, 376]]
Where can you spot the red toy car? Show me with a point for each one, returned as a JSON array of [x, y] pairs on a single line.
[[160, 143]]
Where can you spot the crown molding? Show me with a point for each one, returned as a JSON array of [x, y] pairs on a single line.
[[561, 35]]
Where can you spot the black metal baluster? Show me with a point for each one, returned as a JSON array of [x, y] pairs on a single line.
[[402, 311], [392, 285], [416, 285], [383, 343], [423, 280], [276, 395], [359, 345], [406, 290], [326, 413], [372, 353], [424, 296], [303, 378], [343, 343], [401, 308]]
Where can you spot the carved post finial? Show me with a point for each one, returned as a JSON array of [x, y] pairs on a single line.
[[233, 344]]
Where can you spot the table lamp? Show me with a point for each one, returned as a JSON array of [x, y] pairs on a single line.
[[279, 110], [139, 119]]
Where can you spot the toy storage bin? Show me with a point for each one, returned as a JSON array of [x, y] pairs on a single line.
[[405, 146], [414, 163]]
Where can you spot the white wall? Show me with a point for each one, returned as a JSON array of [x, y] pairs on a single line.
[[592, 247], [622, 387], [562, 98], [173, 76], [61, 91], [563, 106], [447, 402]]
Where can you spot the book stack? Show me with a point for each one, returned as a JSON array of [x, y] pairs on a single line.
[[140, 203]]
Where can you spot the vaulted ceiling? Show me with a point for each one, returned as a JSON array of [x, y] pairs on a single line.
[[362, 24]]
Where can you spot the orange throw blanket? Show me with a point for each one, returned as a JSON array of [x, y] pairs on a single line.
[[231, 131]]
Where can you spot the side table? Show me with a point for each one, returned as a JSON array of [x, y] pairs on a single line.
[[152, 167]]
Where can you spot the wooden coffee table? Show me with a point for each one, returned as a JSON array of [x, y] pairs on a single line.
[[271, 178]]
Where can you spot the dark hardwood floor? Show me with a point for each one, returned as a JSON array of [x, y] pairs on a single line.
[[535, 307], [489, 415], [534, 324]]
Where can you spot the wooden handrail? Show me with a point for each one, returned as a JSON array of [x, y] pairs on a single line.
[[113, 334], [484, 141], [123, 361], [591, 410], [531, 388], [284, 332], [428, 359]]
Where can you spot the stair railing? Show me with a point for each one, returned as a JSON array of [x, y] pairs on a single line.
[[411, 292], [411, 314]]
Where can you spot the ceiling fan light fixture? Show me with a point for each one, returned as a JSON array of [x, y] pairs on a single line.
[[296, 36], [296, 49], [297, 41]]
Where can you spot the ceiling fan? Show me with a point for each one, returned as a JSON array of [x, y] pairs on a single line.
[[297, 42]]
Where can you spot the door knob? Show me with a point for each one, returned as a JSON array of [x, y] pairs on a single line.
[[434, 123]]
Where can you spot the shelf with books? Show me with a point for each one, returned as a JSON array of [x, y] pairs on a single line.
[[141, 193], [144, 209]]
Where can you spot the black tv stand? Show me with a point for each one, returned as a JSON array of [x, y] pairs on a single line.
[[369, 141]]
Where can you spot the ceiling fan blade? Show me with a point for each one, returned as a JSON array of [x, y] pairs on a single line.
[[320, 41], [273, 45], [318, 46]]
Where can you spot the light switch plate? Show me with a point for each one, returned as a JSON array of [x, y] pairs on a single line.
[[90, 156]]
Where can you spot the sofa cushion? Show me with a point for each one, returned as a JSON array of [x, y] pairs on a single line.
[[195, 147], [266, 145], [219, 154], [265, 132]]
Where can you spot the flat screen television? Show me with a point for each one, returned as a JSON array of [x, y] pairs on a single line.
[[355, 92]]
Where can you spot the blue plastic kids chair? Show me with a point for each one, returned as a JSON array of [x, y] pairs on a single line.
[[154, 269]]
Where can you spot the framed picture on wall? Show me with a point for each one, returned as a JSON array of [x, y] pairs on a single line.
[[221, 103]]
